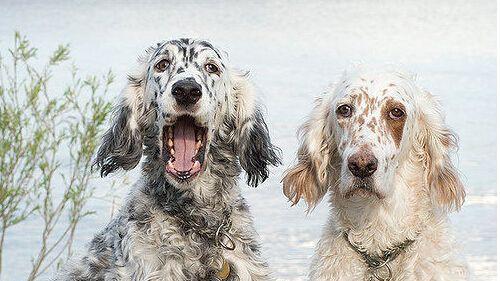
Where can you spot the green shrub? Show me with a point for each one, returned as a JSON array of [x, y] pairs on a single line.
[[47, 140]]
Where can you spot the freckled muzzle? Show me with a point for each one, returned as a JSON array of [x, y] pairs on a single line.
[[184, 144]]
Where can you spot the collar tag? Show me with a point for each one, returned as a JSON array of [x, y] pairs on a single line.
[[224, 271], [382, 273]]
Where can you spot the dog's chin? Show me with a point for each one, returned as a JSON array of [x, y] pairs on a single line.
[[362, 188], [184, 148]]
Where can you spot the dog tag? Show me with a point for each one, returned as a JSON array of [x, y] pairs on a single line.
[[224, 271], [382, 273]]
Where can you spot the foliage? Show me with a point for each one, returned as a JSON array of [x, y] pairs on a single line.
[[47, 140]]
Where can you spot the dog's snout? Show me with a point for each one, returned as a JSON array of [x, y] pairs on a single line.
[[362, 164], [186, 91]]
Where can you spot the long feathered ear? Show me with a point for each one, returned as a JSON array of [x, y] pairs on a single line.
[[435, 142], [121, 145], [310, 178], [252, 142]]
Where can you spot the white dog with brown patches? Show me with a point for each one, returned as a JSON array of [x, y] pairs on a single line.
[[378, 143]]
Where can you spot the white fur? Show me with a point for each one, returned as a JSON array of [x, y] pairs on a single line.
[[415, 181]]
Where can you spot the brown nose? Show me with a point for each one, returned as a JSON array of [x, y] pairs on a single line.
[[362, 164]]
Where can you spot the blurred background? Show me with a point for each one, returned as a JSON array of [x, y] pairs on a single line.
[[293, 52]]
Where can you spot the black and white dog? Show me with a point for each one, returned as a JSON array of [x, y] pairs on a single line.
[[195, 121]]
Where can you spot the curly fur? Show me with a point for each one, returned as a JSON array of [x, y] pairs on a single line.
[[408, 196], [165, 229]]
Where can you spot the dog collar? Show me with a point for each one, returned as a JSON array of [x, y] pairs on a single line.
[[196, 224], [223, 240], [379, 265]]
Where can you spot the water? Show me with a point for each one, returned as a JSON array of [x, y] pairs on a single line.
[[293, 52]]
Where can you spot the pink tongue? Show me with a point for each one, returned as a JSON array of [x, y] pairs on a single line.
[[184, 145]]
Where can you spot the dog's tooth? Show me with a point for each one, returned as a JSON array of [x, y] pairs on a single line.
[[170, 143], [198, 145], [196, 164], [172, 151], [170, 132]]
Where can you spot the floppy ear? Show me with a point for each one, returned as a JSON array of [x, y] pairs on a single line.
[[310, 177], [121, 145], [252, 142], [436, 141]]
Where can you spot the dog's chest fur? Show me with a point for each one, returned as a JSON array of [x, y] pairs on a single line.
[[145, 242], [158, 249], [160, 245], [426, 259]]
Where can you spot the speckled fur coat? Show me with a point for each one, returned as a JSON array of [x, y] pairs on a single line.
[[171, 230]]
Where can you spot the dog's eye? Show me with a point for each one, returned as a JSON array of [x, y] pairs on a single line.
[[344, 110], [162, 65], [396, 113], [211, 68]]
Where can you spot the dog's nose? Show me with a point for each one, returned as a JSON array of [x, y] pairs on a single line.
[[362, 164], [186, 91]]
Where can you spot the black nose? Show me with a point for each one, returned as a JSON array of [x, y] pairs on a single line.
[[186, 91], [362, 164]]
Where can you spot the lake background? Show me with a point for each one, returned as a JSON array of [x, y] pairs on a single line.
[[293, 51]]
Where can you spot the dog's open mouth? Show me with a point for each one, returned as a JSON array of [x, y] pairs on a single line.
[[184, 147]]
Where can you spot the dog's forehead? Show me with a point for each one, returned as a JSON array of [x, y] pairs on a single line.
[[373, 90], [188, 49]]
